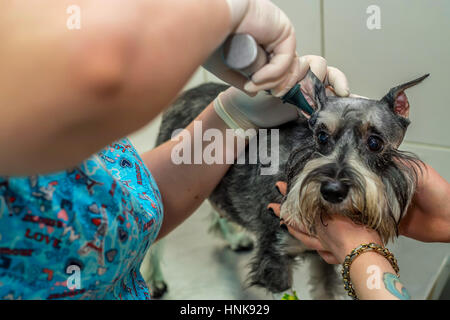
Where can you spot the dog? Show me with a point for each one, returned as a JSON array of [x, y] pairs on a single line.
[[343, 159]]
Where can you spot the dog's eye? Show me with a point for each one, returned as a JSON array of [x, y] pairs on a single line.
[[375, 144], [322, 137]]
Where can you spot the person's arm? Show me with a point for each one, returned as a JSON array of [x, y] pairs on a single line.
[[185, 186], [371, 274], [64, 94], [428, 217], [373, 278]]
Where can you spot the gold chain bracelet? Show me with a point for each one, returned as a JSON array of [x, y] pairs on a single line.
[[357, 252]]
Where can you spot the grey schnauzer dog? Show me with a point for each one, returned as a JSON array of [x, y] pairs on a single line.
[[343, 159]]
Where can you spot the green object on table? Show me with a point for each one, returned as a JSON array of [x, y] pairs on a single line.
[[292, 296]]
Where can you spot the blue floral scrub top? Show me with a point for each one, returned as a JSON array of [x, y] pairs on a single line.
[[94, 222]]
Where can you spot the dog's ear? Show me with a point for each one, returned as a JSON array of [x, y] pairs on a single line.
[[397, 100], [313, 90]]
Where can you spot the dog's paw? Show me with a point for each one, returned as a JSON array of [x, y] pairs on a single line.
[[158, 289]]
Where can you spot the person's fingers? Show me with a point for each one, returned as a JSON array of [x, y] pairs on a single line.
[[250, 86], [337, 80], [310, 241], [329, 91], [298, 70], [290, 80], [275, 69], [318, 66], [275, 207], [282, 187], [304, 66], [298, 232], [352, 95], [329, 75], [282, 55], [328, 257], [280, 86]]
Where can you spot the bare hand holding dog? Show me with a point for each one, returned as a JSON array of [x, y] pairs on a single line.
[[335, 236]]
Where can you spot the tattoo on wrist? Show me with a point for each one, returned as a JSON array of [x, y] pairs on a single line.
[[390, 282]]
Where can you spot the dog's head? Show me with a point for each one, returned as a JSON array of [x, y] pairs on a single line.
[[354, 167]]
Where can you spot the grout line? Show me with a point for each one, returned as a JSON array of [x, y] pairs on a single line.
[[427, 145], [322, 29]]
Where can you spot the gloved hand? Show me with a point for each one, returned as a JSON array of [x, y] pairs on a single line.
[[238, 110], [272, 30]]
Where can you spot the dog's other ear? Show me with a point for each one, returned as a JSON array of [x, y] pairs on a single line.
[[397, 100], [313, 90]]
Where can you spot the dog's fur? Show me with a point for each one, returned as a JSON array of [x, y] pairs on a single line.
[[330, 147]]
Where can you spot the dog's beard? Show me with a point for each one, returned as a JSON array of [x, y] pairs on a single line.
[[369, 201]]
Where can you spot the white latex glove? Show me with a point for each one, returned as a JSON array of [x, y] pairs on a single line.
[[272, 30], [238, 110]]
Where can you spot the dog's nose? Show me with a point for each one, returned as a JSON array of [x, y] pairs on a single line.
[[334, 191]]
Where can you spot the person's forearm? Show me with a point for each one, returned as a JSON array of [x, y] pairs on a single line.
[[428, 217], [67, 93], [185, 186], [373, 278]]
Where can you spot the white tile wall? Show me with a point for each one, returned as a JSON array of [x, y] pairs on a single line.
[[305, 16], [435, 156], [413, 40]]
